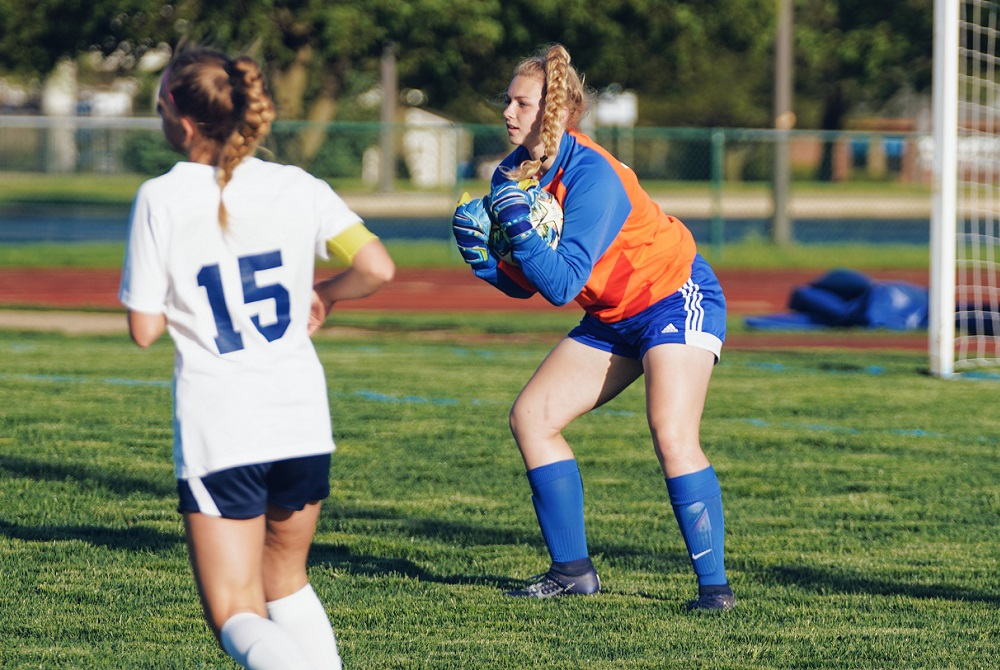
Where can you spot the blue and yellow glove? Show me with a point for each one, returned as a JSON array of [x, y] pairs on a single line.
[[510, 204], [471, 226]]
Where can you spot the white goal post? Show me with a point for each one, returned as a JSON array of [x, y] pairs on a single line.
[[964, 322]]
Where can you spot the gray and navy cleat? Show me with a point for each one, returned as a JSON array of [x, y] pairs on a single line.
[[550, 584], [713, 598]]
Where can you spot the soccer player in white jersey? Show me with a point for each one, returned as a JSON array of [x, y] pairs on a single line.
[[221, 254]]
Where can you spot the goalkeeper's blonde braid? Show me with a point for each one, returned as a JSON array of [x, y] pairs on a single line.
[[555, 94], [562, 88]]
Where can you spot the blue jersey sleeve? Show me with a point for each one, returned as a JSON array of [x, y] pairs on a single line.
[[501, 280], [595, 208]]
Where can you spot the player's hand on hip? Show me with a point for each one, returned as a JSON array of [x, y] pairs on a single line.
[[318, 312], [510, 205], [471, 226]]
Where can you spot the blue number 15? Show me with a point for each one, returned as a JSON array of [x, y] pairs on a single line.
[[229, 339]]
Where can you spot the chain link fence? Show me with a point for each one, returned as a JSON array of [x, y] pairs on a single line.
[[867, 187]]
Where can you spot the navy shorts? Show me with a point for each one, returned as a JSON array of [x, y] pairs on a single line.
[[695, 315], [245, 492]]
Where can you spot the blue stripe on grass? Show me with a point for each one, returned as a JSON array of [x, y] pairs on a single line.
[[409, 399], [66, 379], [905, 432], [874, 370]]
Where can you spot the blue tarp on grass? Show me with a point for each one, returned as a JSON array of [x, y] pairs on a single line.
[[846, 298]]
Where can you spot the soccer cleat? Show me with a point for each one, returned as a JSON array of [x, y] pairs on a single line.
[[713, 599], [550, 584]]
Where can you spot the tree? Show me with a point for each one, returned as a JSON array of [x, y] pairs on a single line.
[[854, 52], [36, 35], [687, 59], [693, 63], [703, 63]]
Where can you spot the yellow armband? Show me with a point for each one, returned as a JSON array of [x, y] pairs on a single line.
[[347, 244]]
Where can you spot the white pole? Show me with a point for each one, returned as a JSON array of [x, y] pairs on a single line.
[[945, 190]]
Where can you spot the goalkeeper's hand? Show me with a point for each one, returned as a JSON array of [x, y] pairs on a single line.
[[510, 204], [471, 226]]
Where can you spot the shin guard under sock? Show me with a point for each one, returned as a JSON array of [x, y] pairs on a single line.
[[697, 502]]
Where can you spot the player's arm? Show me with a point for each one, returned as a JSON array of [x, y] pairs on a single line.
[[371, 267], [143, 286], [594, 210], [512, 282], [145, 329]]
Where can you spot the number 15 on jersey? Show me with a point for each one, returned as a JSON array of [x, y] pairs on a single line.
[[210, 278]]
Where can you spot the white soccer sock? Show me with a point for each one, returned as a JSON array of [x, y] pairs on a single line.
[[257, 643], [303, 617]]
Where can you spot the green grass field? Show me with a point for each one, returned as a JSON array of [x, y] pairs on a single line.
[[862, 500]]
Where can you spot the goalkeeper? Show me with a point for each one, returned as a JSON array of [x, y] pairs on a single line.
[[652, 307]]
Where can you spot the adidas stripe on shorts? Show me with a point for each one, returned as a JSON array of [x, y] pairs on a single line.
[[695, 315]]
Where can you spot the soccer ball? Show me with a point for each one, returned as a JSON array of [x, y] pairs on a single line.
[[546, 219]]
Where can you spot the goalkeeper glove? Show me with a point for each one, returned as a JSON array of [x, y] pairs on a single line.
[[510, 204], [471, 226]]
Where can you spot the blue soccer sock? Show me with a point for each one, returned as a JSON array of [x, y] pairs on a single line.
[[697, 502], [557, 493]]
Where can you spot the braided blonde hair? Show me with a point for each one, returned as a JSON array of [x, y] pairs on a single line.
[[562, 88], [228, 102]]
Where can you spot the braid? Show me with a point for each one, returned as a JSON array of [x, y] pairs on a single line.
[[228, 102], [556, 82], [254, 110], [562, 88]]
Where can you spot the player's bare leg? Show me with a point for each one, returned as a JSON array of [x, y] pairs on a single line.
[[291, 601], [227, 559], [677, 378], [225, 555], [287, 540], [572, 380]]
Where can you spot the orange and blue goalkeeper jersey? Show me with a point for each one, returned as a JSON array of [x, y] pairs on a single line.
[[618, 254]]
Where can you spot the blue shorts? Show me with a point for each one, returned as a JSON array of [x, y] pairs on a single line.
[[245, 492], [695, 315]]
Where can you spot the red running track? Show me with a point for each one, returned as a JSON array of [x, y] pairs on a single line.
[[456, 289]]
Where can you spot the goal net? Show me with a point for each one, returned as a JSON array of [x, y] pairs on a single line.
[[965, 235]]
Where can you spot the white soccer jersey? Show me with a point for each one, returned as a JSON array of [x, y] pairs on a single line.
[[248, 386]]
